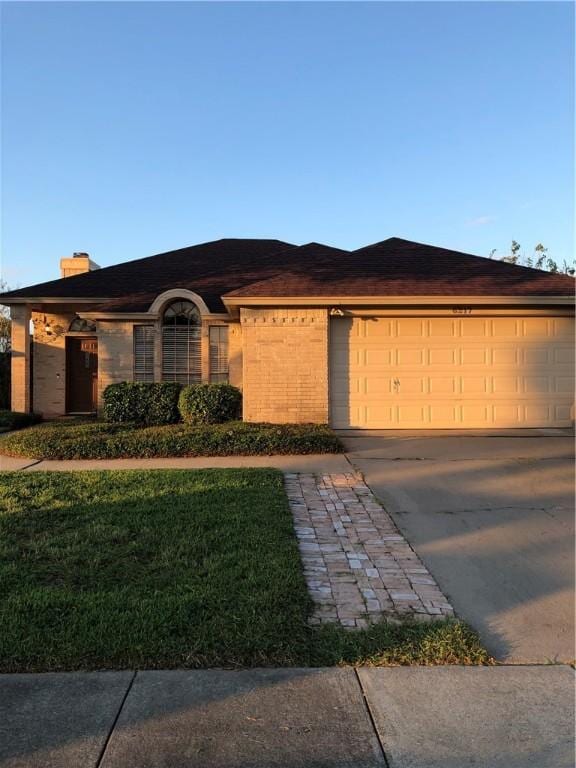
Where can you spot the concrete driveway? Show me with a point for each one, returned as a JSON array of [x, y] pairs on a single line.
[[491, 515]]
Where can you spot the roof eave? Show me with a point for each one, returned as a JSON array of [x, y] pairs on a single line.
[[233, 302], [8, 301]]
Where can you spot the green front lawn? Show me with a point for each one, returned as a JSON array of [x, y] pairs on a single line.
[[174, 568], [104, 440]]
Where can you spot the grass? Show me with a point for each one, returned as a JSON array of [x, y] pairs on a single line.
[[104, 440], [165, 569]]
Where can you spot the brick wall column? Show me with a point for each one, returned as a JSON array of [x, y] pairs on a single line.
[[49, 379], [285, 365], [235, 354], [20, 316], [115, 354]]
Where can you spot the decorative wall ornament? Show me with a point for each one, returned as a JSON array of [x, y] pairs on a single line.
[[80, 325], [44, 327]]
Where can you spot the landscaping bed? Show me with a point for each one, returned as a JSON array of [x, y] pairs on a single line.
[[105, 440], [174, 568], [10, 420]]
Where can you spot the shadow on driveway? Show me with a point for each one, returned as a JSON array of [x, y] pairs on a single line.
[[492, 518]]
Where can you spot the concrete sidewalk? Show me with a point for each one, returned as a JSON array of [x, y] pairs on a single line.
[[422, 717], [317, 463]]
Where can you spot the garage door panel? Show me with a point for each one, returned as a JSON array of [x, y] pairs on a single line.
[[443, 357], [538, 412], [447, 413], [451, 372], [536, 356], [479, 415], [410, 327], [505, 413], [410, 356], [378, 387], [375, 357], [475, 385], [473, 327], [505, 385], [535, 385], [505, 356], [562, 413], [474, 356], [537, 328], [380, 413], [504, 327], [564, 355], [443, 327], [411, 385], [376, 327], [441, 385], [564, 384]]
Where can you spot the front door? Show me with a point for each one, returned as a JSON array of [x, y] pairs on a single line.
[[81, 374]]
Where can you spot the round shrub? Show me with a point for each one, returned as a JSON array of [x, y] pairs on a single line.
[[209, 403], [140, 403]]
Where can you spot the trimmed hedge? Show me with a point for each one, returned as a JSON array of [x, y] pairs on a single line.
[[140, 403], [210, 403], [14, 420], [99, 440]]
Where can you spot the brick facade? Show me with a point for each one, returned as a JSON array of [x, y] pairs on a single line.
[[278, 357], [49, 369], [285, 364], [115, 354], [235, 354]]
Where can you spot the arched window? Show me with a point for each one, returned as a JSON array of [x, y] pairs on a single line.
[[83, 326], [181, 341]]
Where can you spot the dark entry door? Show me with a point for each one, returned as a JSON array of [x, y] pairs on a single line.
[[81, 374]]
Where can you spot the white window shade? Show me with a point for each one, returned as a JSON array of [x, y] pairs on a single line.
[[218, 353], [181, 354], [144, 353]]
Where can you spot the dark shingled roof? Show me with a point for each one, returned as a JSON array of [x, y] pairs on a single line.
[[236, 268], [209, 269], [397, 267]]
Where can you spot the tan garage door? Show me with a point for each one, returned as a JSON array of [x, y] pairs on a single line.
[[451, 372]]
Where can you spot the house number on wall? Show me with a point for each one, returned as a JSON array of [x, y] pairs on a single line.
[[462, 310]]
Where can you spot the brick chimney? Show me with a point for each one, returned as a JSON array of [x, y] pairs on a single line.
[[77, 264]]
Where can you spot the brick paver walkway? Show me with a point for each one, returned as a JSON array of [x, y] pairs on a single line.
[[358, 567]]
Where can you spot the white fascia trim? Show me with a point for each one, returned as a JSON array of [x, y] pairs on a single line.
[[149, 316], [117, 316], [368, 301]]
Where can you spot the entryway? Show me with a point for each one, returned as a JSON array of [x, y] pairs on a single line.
[[81, 374]]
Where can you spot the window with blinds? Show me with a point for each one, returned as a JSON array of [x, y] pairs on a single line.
[[218, 353], [181, 343], [143, 353]]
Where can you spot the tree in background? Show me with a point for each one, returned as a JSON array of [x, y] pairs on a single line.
[[4, 321], [538, 260], [4, 351]]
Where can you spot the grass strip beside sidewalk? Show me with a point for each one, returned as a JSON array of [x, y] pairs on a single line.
[[174, 568]]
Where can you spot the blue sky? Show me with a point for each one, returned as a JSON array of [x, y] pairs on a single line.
[[134, 128]]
